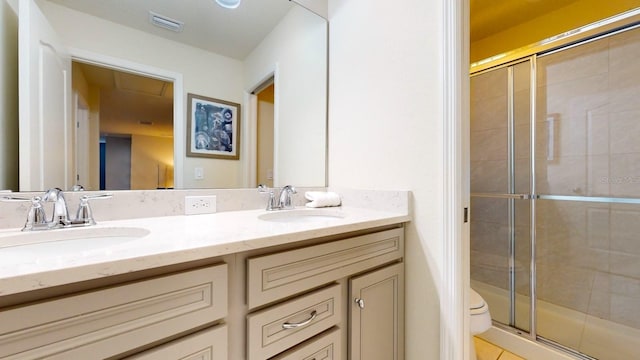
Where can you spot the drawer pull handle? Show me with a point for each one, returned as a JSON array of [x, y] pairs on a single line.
[[359, 302], [288, 325]]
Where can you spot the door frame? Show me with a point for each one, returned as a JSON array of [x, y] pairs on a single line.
[[271, 75], [455, 337]]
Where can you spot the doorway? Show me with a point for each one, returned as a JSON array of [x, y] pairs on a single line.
[[124, 105], [265, 134]]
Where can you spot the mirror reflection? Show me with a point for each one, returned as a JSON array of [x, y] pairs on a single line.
[[123, 64], [134, 133]]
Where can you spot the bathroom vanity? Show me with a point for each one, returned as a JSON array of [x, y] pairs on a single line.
[[230, 285]]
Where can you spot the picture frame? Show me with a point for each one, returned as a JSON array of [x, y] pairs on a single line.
[[213, 128]]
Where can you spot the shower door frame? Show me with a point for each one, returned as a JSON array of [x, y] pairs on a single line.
[[593, 32], [511, 195]]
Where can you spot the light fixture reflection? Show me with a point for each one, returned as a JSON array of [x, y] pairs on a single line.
[[229, 4]]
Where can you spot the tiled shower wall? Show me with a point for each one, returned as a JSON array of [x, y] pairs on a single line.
[[587, 145]]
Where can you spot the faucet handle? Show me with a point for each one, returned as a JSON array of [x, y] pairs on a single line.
[[97, 196], [84, 216], [271, 202], [36, 217]]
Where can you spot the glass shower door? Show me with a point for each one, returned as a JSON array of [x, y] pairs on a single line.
[[555, 195], [500, 188], [588, 213]]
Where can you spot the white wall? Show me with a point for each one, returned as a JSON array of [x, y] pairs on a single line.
[[202, 71], [319, 7], [9, 97], [295, 51], [385, 132]]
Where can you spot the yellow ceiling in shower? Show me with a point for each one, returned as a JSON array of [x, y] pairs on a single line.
[[498, 26]]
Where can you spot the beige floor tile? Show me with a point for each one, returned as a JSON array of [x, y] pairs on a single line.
[[509, 356], [486, 350]]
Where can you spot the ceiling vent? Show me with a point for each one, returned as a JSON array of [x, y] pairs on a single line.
[[165, 22]]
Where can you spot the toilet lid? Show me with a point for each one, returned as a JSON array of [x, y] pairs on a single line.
[[475, 300]]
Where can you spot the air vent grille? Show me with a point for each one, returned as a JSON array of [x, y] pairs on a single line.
[[165, 22]]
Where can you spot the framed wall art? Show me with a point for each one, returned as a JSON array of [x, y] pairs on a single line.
[[213, 128]]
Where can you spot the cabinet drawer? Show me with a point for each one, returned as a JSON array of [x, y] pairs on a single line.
[[110, 321], [274, 330], [283, 274], [209, 344], [322, 347]]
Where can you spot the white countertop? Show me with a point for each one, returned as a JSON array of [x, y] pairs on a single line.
[[176, 239]]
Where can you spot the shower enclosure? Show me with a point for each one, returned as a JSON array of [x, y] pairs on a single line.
[[555, 205]]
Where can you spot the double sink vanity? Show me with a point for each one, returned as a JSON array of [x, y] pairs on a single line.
[[241, 283]]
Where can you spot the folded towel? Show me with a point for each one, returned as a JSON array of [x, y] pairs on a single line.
[[322, 199]]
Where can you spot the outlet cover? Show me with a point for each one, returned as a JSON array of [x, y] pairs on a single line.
[[194, 205]]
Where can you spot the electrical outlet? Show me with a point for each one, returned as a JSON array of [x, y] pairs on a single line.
[[199, 205]]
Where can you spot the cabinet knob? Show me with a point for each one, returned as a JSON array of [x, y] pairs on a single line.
[[360, 302]]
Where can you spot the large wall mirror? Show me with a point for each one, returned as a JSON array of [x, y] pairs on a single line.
[[128, 84]]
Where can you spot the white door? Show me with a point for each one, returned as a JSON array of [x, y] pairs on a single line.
[[46, 137], [82, 146]]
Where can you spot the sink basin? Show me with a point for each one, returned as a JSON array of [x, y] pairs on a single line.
[[53, 245], [302, 215]]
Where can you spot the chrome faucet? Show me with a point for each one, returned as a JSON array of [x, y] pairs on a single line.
[[286, 197], [284, 200], [36, 218], [60, 217]]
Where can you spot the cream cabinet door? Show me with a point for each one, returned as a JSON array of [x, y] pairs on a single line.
[[377, 314]]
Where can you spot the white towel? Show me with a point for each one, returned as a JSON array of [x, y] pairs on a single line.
[[322, 199]]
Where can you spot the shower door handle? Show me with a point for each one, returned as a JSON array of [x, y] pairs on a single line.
[[505, 196]]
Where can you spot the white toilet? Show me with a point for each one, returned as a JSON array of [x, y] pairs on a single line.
[[480, 318]]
